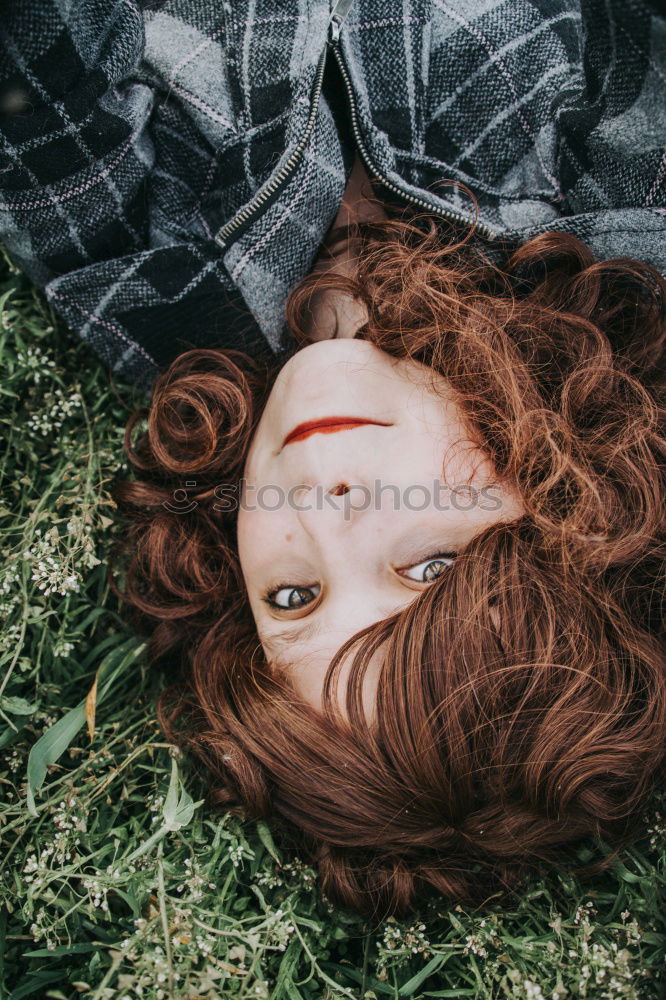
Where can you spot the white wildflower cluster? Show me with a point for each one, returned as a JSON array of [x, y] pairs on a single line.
[[50, 574], [14, 761], [10, 576], [36, 362], [193, 959], [11, 631], [482, 937], [41, 929], [68, 825], [46, 719], [155, 805], [195, 943], [10, 601], [269, 878], [36, 869], [605, 968], [56, 562], [280, 931], [612, 970], [65, 818], [236, 852], [631, 928], [142, 927], [139, 865], [474, 943], [524, 988], [151, 973], [657, 830], [98, 893], [194, 882], [583, 914], [411, 939], [61, 647], [204, 943], [291, 874], [581, 919], [81, 528], [57, 407]]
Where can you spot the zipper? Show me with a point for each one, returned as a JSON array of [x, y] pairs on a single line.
[[253, 208], [449, 214], [277, 181]]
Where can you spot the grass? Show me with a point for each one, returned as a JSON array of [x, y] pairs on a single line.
[[114, 880]]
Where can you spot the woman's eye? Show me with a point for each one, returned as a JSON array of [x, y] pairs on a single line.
[[431, 568], [286, 597]]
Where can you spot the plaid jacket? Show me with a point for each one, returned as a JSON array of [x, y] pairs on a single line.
[[168, 168]]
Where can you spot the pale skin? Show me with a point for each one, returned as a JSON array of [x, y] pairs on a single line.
[[342, 558]]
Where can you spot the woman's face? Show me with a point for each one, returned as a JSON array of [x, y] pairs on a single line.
[[340, 529]]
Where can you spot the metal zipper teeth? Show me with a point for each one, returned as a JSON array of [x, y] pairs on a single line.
[[255, 205], [448, 214]]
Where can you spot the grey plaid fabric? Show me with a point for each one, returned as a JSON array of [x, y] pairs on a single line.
[[132, 132]]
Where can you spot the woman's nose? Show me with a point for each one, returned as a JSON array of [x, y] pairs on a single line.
[[339, 489], [330, 504]]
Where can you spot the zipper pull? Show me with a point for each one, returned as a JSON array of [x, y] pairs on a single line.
[[337, 19]]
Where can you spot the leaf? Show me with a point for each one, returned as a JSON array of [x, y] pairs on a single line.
[[178, 809], [61, 949], [91, 704], [48, 749], [130, 900], [11, 733], [456, 923], [266, 838], [35, 983], [111, 642], [16, 706], [53, 743], [171, 799], [453, 993], [357, 976], [4, 299], [176, 813], [625, 874], [288, 967], [412, 984]]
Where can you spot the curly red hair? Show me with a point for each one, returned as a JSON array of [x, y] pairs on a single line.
[[498, 743]]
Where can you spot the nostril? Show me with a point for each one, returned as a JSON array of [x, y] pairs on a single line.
[[339, 490]]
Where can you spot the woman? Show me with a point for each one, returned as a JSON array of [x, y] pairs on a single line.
[[499, 656]]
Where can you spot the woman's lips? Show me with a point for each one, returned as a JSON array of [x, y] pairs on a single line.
[[328, 425]]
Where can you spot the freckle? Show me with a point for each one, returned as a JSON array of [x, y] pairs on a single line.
[[287, 537]]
